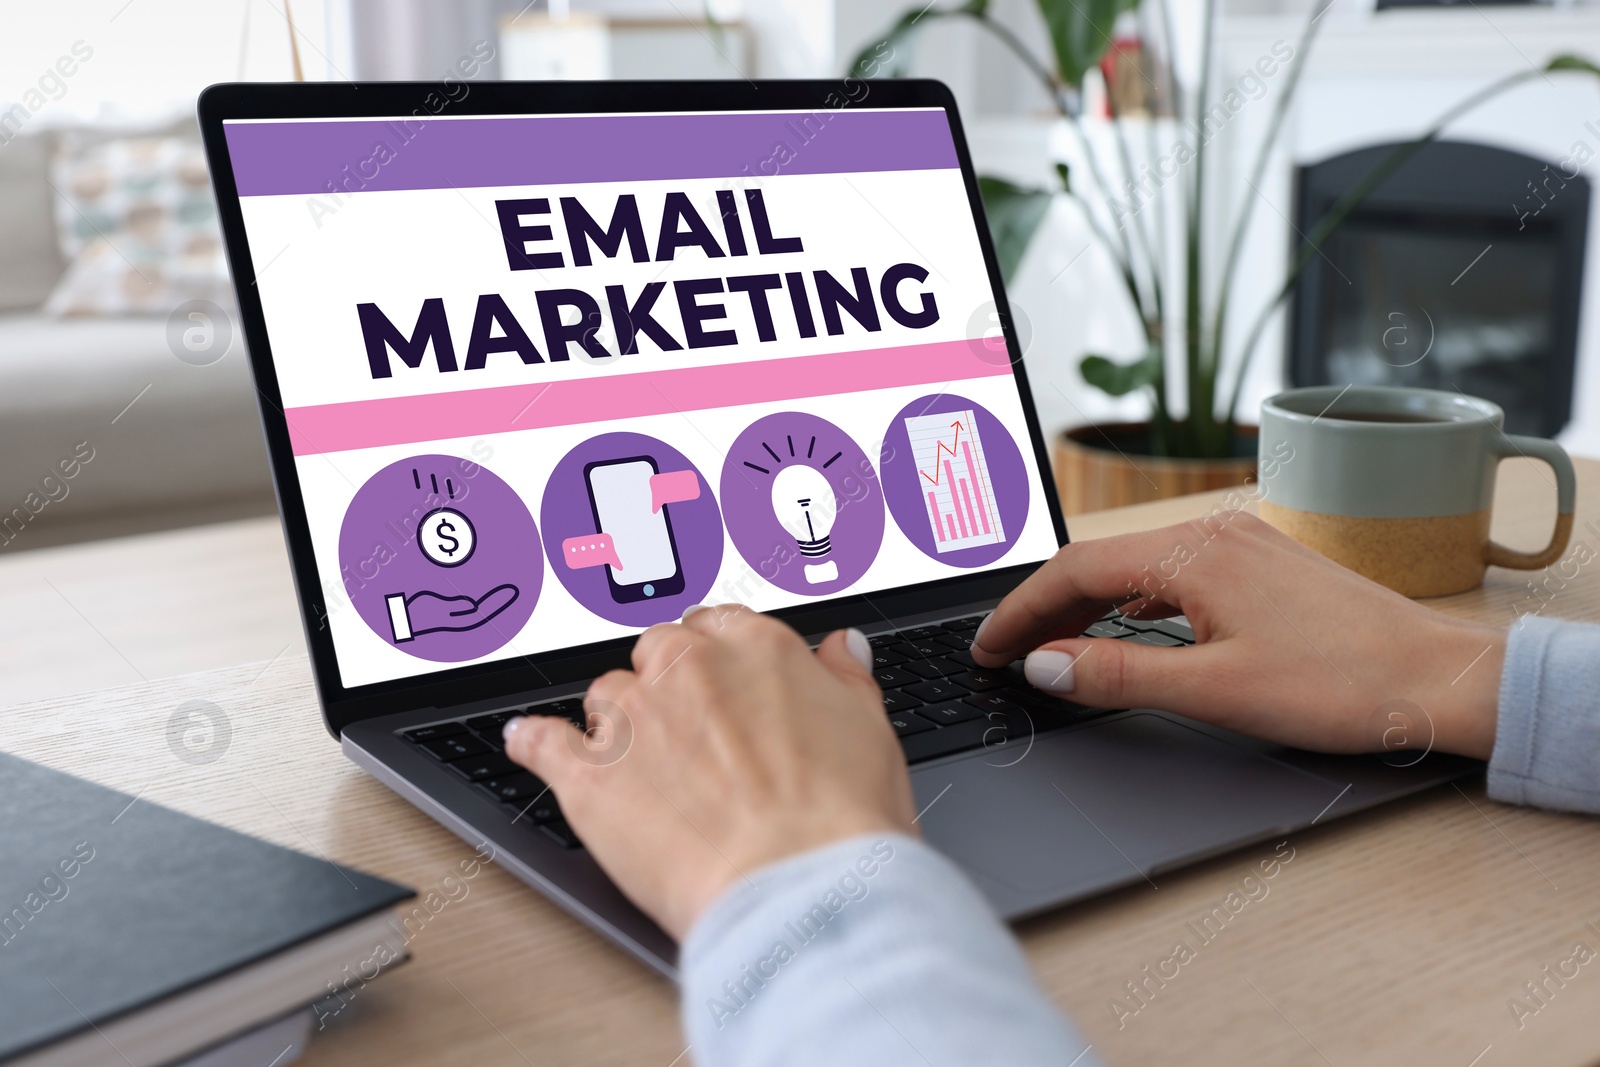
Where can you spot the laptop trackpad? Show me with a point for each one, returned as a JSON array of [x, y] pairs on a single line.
[[1091, 808]]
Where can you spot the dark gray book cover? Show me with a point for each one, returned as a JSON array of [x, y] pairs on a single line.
[[108, 904]]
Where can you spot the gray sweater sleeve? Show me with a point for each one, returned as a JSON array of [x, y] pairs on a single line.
[[1547, 745], [875, 950]]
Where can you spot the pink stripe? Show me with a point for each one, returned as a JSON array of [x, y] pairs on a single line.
[[972, 519], [983, 496], [437, 416], [933, 509], [950, 521], [955, 502]]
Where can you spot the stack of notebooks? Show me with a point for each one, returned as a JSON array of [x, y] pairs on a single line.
[[131, 934]]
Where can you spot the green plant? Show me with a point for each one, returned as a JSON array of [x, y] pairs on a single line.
[[1079, 33]]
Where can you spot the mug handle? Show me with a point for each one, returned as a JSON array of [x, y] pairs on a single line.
[[1510, 447]]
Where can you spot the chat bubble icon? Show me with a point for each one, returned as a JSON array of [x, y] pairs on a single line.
[[673, 487], [590, 550]]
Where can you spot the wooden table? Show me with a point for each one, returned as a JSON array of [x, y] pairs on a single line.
[[1393, 937]]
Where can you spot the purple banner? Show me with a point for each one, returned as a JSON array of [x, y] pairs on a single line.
[[271, 158]]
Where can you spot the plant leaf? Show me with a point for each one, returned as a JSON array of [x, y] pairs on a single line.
[[1014, 217], [1118, 379], [869, 63], [1572, 62], [1080, 32]]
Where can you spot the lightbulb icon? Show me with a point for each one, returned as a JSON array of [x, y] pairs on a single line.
[[806, 507]]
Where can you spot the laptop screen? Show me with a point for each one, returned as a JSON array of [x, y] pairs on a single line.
[[549, 380]]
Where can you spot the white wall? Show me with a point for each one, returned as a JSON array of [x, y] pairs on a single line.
[[151, 57]]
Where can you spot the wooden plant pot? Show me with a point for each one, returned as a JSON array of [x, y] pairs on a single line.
[[1108, 466]]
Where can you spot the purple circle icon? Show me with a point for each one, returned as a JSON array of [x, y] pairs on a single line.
[[441, 558], [955, 480], [632, 529], [802, 503]]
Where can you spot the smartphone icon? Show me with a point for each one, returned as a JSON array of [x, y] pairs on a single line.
[[619, 496]]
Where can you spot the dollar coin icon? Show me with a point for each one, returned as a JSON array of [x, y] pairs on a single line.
[[446, 537]]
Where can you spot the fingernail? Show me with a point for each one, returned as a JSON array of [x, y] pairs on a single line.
[[511, 727], [691, 609], [977, 635], [1049, 670], [856, 643]]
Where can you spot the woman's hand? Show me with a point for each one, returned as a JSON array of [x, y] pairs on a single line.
[[731, 745], [1291, 647]]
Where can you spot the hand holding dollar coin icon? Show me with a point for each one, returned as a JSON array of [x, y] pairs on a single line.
[[446, 537], [426, 579]]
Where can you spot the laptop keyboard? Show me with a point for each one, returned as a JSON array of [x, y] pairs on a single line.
[[473, 749], [939, 701]]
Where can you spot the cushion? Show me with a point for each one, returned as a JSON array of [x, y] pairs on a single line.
[[138, 224]]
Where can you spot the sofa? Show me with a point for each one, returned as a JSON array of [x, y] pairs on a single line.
[[104, 429]]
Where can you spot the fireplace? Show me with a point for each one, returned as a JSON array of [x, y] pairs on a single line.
[[1462, 271]]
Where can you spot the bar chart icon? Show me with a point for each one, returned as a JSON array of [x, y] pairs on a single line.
[[953, 476]]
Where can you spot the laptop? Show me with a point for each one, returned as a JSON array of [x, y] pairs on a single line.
[[543, 364]]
